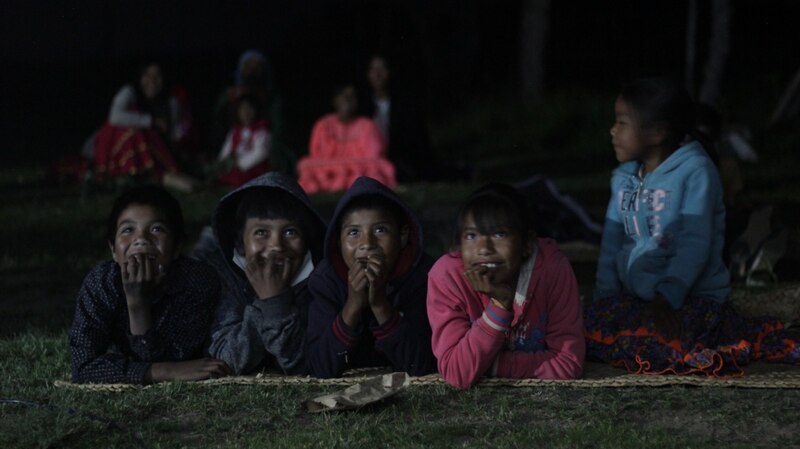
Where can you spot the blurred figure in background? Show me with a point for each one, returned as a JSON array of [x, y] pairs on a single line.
[[343, 147], [142, 120], [254, 77], [401, 122], [245, 153]]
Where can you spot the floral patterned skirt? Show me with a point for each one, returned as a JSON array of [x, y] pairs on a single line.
[[714, 340]]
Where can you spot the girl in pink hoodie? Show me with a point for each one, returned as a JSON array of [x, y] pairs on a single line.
[[505, 303]]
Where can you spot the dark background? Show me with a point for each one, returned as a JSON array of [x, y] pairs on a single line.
[[64, 60]]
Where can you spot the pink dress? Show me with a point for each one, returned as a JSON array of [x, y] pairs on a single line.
[[341, 152]]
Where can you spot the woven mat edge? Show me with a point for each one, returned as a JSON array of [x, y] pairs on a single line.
[[622, 381]]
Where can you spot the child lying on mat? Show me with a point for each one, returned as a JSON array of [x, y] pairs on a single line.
[[368, 293], [143, 317], [505, 304], [268, 238]]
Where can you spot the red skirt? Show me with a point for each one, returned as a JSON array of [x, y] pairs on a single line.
[[131, 152], [332, 175], [236, 176]]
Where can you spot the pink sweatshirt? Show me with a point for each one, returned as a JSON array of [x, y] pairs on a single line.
[[541, 338]]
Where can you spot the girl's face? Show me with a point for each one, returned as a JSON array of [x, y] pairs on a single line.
[[346, 103], [151, 81], [246, 113], [500, 252], [631, 141], [144, 232]]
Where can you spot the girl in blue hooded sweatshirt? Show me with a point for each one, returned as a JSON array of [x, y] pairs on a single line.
[[661, 299]]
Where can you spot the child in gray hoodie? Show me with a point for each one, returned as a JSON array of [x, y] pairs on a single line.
[[267, 239]]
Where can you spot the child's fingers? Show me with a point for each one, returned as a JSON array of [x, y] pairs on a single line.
[[358, 280], [133, 266], [376, 266], [123, 268], [147, 269]]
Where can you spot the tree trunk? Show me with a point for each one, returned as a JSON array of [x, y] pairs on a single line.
[[691, 46], [718, 48], [533, 35]]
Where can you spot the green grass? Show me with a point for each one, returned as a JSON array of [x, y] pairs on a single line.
[[186, 415], [51, 237]]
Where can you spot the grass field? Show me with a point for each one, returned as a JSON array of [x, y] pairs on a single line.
[[51, 236]]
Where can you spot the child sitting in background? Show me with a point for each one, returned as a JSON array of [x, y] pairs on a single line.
[[343, 147], [661, 300], [505, 304], [268, 239], [368, 294], [245, 153], [143, 317]]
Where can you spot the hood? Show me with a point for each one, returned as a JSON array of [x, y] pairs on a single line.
[[409, 256], [224, 219], [689, 151]]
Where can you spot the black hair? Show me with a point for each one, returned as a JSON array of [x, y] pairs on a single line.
[[663, 102], [155, 197], [382, 56], [250, 99], [374, 201], [707, 130], [341, 87], [497, 205], [269, 204]]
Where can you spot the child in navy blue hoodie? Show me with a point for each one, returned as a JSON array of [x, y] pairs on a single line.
[[368, 293]]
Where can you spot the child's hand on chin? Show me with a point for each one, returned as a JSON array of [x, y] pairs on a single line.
[[480, 277], [141, 277], [377, 274], [268, 275]]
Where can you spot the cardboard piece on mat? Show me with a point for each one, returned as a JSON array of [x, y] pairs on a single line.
[[366, 392]]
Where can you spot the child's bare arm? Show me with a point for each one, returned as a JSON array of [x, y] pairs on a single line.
[[197, 369]]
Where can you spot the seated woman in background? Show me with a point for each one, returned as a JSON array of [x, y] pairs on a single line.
[[343, 147], [133, 140], [401, 122], [245, 153]]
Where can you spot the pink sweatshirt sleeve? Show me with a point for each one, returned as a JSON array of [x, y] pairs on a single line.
[[465, 350], [566, 347]]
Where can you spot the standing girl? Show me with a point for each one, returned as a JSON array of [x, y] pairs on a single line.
[[506, 303], [661, 299]]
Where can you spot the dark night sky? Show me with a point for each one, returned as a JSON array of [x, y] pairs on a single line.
[[63, 60]]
